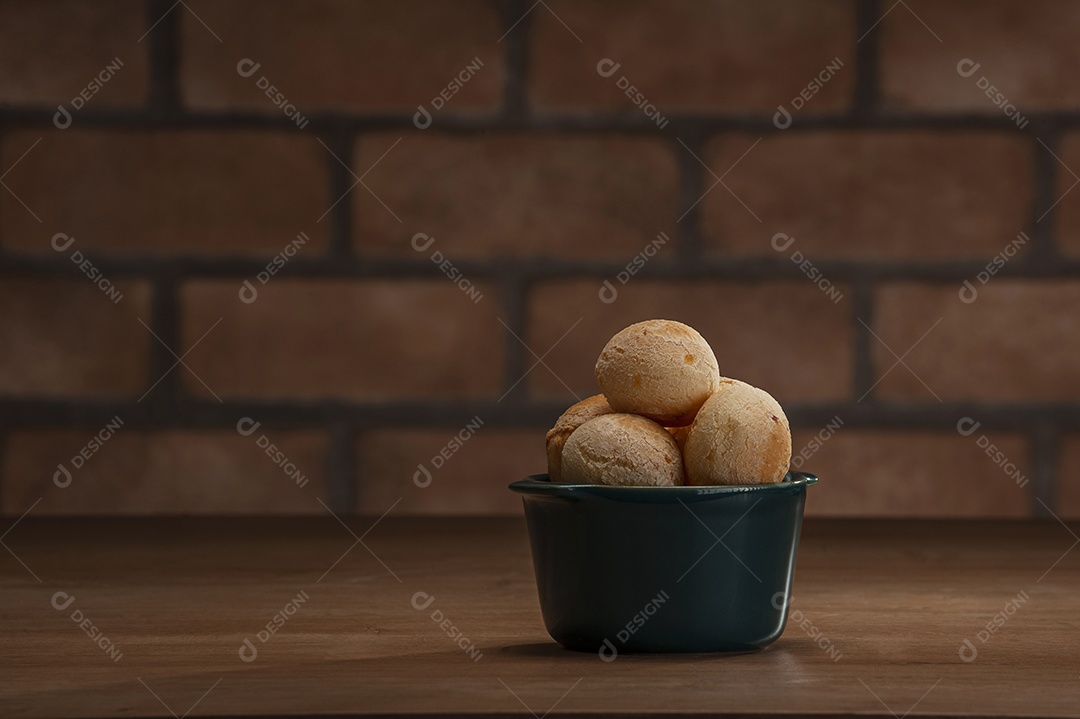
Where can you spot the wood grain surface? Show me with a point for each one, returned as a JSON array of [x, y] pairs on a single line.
[[880, 615]]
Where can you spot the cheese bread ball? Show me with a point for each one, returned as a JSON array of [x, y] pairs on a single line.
[[660, 369], [740, 436], [622, 449], [679, 433], [570, 420]]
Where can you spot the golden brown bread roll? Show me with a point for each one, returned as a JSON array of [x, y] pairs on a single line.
[[570, 420], [679, 433], [622, 449], [740, 436], [659, 369]]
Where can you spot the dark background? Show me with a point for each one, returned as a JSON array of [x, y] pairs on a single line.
[[180, 179]]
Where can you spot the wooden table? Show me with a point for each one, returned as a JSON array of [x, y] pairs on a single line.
[[881, 612]]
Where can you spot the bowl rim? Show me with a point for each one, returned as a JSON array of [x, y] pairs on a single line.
[[540, 484]]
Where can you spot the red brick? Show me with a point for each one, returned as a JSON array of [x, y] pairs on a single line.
[[168, 472], [339, 55], [472, 480], [1027, 51], [1068, 207], [691, 55], [66, 337], [1015, 343], [51, 51], [158, 193], [871, 473], [786, 337], [580, 197], [376, 340], [1068, 480], [868, 195]]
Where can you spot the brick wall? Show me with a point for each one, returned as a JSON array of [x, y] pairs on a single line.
[[820, 242]]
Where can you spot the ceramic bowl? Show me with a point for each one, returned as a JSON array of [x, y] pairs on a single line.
[[664, 569]]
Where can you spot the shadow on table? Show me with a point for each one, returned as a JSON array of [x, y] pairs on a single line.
[[534, 650]]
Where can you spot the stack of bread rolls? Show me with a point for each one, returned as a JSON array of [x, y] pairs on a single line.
[[666, 417]]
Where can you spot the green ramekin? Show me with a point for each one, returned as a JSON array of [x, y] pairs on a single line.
[[664, 569]]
